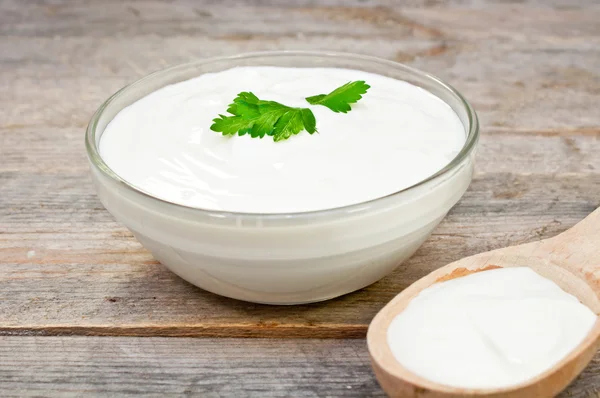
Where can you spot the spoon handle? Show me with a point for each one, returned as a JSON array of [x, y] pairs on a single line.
[[578, 249], [587, 229]]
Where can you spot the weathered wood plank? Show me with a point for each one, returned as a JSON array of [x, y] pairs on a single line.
[[269, 18], [530, 67], [156, 367], [537, 165], [559, 95], [524, 65], [30, 150], [69, 367], [68, 268]]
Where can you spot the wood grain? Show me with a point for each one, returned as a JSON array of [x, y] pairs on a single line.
[[531, 68], [524, 65], [158, 367], [68, 268], [52, 150]]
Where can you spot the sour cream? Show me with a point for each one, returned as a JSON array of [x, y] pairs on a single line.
[[490, 329], [395, 137]]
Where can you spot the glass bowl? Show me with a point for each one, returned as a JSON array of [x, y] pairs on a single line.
[[285, 258]]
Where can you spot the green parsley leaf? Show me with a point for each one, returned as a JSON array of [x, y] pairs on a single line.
[[259, 118], [308, 118], [229, 125], [287, 125], [265, 122], [339, 100], [244, 104]]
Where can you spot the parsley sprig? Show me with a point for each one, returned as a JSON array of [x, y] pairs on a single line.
[[259, 118], [339, 100]]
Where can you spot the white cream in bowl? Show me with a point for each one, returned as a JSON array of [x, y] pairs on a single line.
[[301, 220], [395, 137]]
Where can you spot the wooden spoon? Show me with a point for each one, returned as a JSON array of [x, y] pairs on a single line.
[[571, 260]]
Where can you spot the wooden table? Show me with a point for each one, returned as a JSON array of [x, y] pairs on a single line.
[[85, 310]]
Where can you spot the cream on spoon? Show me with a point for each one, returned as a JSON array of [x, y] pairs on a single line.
[[490, 329], [568, 261]]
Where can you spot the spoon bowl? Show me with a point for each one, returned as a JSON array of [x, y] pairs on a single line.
[[571, 260]]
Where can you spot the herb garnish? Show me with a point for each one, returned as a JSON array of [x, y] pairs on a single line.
[[258, 118], [339, 100]]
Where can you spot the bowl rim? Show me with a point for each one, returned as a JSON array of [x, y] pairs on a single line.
[[468, 146]]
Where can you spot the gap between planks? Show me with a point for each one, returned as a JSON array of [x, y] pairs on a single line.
[[331, 331]]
